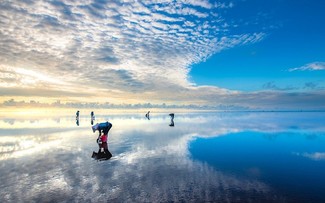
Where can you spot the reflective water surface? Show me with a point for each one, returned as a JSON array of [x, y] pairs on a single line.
[[194, 157]]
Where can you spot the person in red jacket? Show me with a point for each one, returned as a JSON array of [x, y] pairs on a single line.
[[103, 129]]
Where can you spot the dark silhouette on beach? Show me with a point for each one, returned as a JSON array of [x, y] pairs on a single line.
[[92, 118], [148, 115], [77, 118], [172, 124]]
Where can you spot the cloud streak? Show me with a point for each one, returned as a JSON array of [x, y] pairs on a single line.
[[315, 66]]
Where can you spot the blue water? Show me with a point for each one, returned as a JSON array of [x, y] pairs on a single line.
[[203, 157], [276, 159]]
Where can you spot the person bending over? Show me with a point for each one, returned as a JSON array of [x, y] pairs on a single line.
[[103, 129]]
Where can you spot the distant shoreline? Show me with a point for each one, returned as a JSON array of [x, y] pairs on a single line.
[[140, 110]]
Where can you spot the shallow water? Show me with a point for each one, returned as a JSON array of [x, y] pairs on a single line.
[[216, 157]]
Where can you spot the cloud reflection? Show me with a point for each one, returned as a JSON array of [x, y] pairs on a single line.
[[316, 156], [151, 161]]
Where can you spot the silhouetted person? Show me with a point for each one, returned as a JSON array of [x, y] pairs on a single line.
[[92, 117], [77, 118], [171, 120], [148, 115]]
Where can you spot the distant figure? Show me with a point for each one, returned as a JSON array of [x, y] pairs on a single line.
[[148, 115], [103, 129], [172, 124], [77, 118], [92, 118]]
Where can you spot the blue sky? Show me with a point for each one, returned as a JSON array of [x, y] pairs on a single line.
[[244, 53], [294, 37]]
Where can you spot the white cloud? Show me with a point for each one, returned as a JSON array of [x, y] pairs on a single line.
[[20, 77], [129, 46], [180, 9], [223, 5], [202, 3], [315, 66]]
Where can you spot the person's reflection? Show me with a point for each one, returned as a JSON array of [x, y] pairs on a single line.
[[172, 124], [148, 115], [103, 152]]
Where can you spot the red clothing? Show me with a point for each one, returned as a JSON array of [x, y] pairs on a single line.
[[103, 138]]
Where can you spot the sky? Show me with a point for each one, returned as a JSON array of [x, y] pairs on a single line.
[[242, 53]]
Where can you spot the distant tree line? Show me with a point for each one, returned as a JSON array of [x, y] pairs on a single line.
[[107, 105]]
